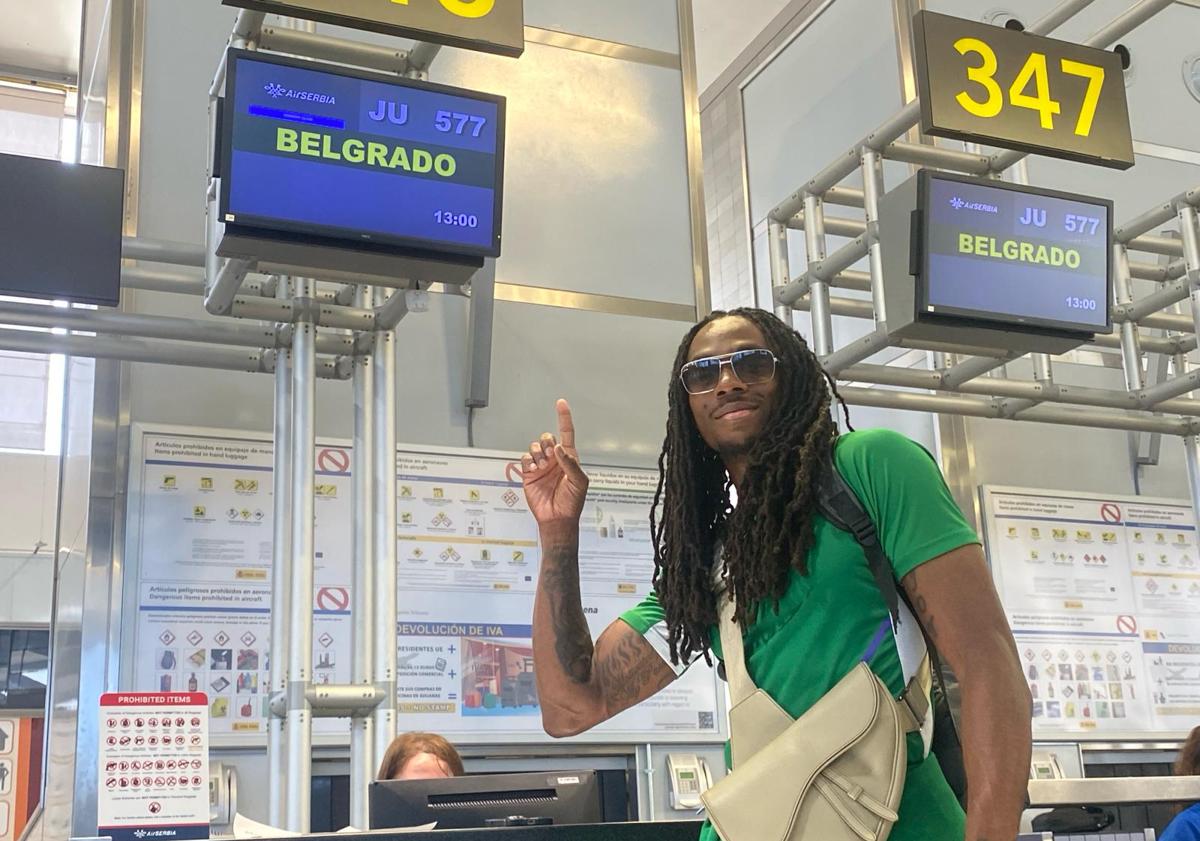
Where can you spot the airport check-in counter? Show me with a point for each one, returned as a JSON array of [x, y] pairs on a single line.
[[664, 831], [1111, 793]]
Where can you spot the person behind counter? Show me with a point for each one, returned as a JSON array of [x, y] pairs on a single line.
[[749, 404], [1186, 826], [420, 756]]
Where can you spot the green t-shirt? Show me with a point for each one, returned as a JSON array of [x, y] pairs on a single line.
[[827, 619]]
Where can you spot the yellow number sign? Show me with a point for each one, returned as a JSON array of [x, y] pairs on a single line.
[[463, 8], [985, 84], [1035, 71]]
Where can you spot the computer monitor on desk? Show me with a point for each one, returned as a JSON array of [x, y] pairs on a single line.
[[566, 797]]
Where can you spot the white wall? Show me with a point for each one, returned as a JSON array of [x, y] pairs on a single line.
[[724, 29], [27, 518]]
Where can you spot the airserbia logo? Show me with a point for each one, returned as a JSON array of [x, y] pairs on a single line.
[[278, 91]]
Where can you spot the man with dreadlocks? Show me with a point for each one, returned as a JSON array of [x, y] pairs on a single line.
[[749, 409]]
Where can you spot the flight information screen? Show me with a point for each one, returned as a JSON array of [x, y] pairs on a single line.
[[362, 158], [1015, 255]]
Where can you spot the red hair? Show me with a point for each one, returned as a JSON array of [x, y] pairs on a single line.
[[403, 748], [1188, 763]]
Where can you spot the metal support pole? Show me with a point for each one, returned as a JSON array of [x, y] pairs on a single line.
[[281, 576], [1166, 295], [1191, 449], [1189, 229], [1057, 16], [971, 368], [1125, 23], [480, 327], [836, 225], [1154, 271], [421, 56], [1166, 246], [1043, 372], [935, 156], [777, 247], [300, 646], [383, 363], [362, 730], [247, 26], [1131, 351], [1147, 222], [218, 297], [857, 351], [104, 322], [339, 50], [164, 251], [872, 172], [814, 239]]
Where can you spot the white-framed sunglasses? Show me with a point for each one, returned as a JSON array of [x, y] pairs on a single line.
[[752, 366]]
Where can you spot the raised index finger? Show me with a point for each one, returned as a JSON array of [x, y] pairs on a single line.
[[566, 425]]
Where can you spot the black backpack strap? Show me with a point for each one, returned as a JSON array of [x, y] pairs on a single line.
[[838, 504]]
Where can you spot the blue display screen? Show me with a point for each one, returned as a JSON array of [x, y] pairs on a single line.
[[361, 158], [1008, 255]]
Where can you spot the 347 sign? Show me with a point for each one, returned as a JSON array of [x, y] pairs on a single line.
[[493, 26], [986, 84]]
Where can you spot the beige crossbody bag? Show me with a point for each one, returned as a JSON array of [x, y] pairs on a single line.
[[834, 774]]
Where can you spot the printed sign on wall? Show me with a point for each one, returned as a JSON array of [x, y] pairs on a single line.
[[153, 775], [467, 564], [1103, 595]]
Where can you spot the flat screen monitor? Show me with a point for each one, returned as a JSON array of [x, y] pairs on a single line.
[[566, 797], [328, 155], [60, 230], [1013, 255]]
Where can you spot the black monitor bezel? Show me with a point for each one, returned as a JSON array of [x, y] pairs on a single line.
[[482, 783], [976, 318], [287, 230]]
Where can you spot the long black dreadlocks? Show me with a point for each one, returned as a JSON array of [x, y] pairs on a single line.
[[771, 530]]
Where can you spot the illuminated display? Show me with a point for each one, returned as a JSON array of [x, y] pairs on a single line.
[[993, 85], [361, 158], [1014, 255]]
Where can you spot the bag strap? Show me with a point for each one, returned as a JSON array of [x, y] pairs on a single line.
[[840, 505], [741, 686]]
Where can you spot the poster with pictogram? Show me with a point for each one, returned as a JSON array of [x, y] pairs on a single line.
[[153, 766], [1103, 596], [467, 560]]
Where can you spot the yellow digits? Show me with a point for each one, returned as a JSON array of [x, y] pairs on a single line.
[[983, 75], [463, 8]]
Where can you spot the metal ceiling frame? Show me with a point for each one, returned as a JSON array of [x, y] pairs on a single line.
[[964, 382]]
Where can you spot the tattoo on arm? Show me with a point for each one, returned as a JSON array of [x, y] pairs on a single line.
[[924, 616], [572, 639], [630, 672]]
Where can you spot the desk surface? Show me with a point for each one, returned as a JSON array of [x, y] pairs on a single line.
[[657, 831]]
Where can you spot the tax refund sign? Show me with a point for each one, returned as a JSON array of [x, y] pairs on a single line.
[[987, 84], [493, 26]]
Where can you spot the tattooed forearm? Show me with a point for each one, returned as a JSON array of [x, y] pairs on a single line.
[[630, 671], [572, 639]]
